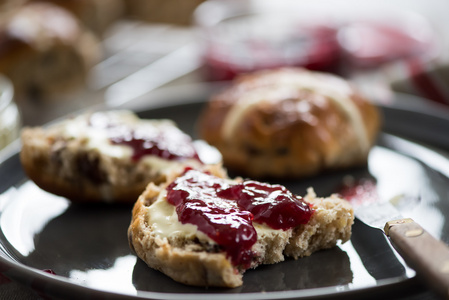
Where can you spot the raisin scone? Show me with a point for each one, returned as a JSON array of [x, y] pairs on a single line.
[[289, 123], [108, 156], [202, 228]]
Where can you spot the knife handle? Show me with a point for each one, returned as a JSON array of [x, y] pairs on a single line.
[[427, 255]]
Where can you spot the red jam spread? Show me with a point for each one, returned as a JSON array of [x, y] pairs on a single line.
[[358, 192], [224, 210], [167, 142]]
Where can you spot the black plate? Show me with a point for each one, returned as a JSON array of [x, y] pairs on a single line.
[[86, 246]]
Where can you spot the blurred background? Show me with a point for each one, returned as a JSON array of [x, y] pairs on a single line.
[[59, 56]]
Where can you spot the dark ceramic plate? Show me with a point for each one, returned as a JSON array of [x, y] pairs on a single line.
[[86, 246]]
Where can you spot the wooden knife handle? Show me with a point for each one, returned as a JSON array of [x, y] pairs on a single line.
[[427, 255]]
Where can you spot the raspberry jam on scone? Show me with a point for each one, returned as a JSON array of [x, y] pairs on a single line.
[[225, 210], [167, 142]]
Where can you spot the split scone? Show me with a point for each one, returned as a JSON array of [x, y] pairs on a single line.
[[203, 229], [108, 156], [289, 123]]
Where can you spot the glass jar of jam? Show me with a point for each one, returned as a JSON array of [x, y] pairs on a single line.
[[10, 120], [240, 37]]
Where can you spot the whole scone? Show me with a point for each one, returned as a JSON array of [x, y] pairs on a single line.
[[45, 51], [201, 228], [289, 123]]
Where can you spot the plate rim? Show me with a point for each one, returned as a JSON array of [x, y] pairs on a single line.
[[26, 274]]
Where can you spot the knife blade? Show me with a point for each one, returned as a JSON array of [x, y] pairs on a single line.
[[428, 256]]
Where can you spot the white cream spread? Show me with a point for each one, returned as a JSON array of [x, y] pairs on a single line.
[[96, 137], [333, 88], [164, 221]]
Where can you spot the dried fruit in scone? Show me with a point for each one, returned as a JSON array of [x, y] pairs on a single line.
[[107, 156], [289, 123], [202, 228]]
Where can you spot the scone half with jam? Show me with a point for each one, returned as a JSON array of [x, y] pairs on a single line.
[[105, 156], [201, 228]]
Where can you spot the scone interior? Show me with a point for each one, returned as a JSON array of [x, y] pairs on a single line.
[[229, 231], [289, 123], [107, 156]]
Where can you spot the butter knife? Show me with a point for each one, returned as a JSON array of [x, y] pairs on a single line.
[[428, 256]]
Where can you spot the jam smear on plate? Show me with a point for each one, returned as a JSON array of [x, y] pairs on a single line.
[[359, 191], [49, 271], [225, 210]]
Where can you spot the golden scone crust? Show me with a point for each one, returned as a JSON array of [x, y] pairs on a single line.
[[67, 160], [191, 260], [289, 123]]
